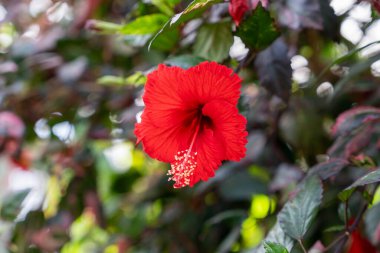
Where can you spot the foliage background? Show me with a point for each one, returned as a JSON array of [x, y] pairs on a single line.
[[74, 72]]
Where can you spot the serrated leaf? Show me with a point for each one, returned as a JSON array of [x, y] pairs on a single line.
[[274, 70], [297, 215], [370, 178], [194, 9], [11, 205], [271, 247], [329, 168], [214, 41], [148, 24], [277, 235], [184, 61], [258, 30]]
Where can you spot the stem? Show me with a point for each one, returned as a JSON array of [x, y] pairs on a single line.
[[247, 60], [358, 218], [340, 60], [349, 229], [337, 240], [346, 214], [302, 246], [341, 245]]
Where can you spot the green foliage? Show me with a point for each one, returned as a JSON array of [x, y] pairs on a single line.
[[11, 205], [214, 41], [136, 79], [193, 10], [298, 214], [271, 247], [184, 61], [258, 30], [147, 24], [370, 178]]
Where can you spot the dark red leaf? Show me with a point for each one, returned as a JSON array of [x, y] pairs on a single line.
[[353, 118]]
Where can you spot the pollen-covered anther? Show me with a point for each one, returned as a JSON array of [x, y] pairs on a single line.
[[182, 168]]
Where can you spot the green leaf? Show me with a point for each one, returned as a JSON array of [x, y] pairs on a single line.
[[277, 235], [111, 80], [136, 79], [166, 6], [230, 214], [214, 41], [341, 60], [193, 10], [148, 24], [296, 216], [370, 178], [337, 228], [184, 61], [271, 247], [11, 205], [167, 40], [258, 30], [355, 71]]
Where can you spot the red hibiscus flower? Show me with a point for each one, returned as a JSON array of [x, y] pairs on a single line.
[[191, 121]]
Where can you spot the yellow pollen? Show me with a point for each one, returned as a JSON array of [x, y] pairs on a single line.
[[184, 165]]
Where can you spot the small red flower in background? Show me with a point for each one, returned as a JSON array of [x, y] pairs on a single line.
[[238, 8], [191, 121], [376, 5], [359, 244]]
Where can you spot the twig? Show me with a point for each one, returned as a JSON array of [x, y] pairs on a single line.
[[346, 214], [337, 240], [247, 60], [302, 246]]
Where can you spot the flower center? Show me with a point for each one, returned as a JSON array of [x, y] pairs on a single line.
[[185, 162]]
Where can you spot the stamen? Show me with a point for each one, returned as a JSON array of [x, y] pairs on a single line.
[[184, 165]]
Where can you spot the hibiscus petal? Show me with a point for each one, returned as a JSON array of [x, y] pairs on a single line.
[[231, 125], [162, 86], [166, 125], [208, 81], [210, 152], [162, 143]]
